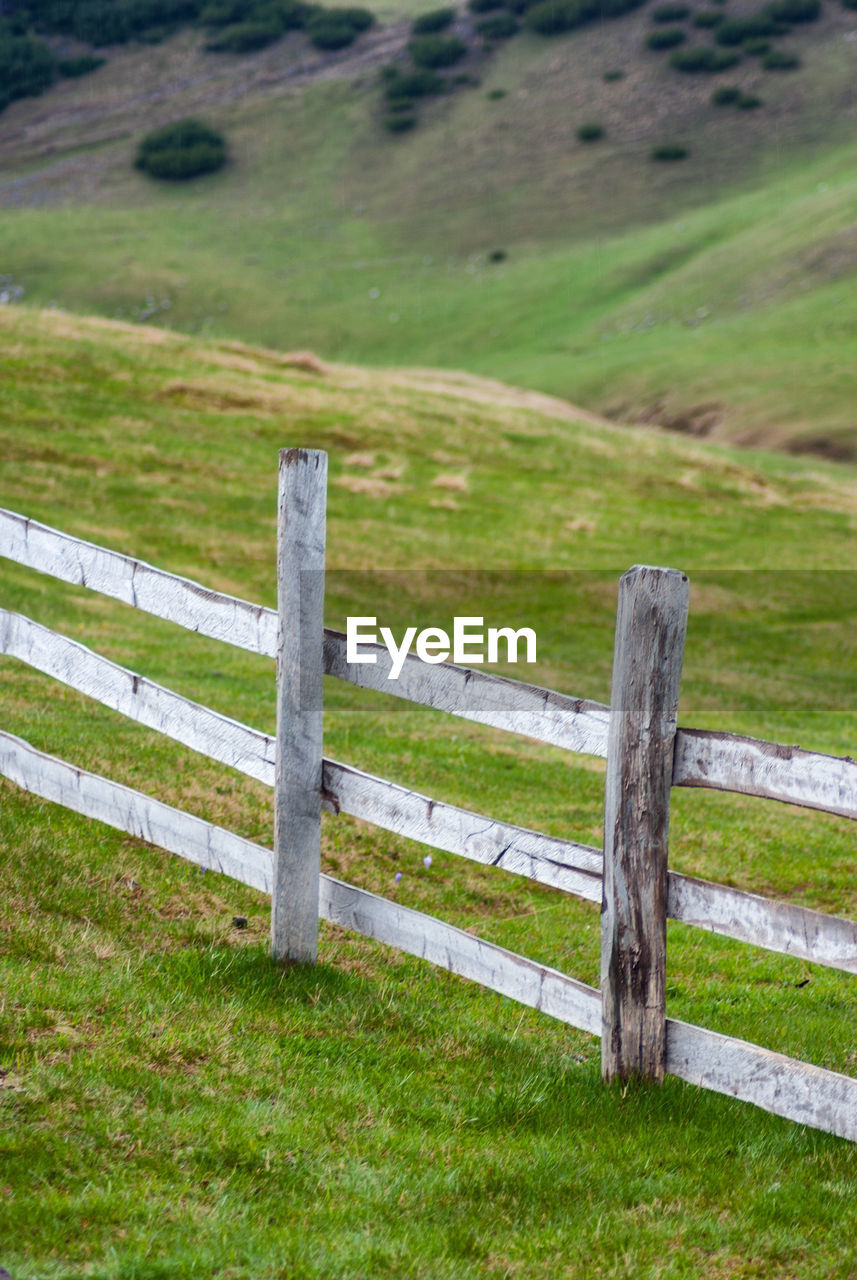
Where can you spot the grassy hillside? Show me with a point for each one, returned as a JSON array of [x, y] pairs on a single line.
[[176, 1107], [715, 294]]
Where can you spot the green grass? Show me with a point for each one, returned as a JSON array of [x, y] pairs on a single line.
[[175, 1106]]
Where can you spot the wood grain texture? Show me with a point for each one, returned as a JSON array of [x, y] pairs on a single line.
[[575, 724], [647, 661], [572, 723], [179, 600], [562, 864], [798, 1091], [412, 931], [784, 927], [728, 762], [227, 741], [703, 758], [301, 529], [421, 935], [139, 815]]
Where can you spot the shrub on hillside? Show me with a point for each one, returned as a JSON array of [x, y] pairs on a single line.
[[794, 10], [756, 46], [849, 4], [181, 150], [435, 52], [484, 6], [337, 28], [748, 102], [554, 17], [726, 96], [666, 38], [412, 84], [26, 66], [669, 151], [499, 26], [400, 122], [735, 31], [80, 66], [669, 13], [611, 76], [436, 20], [105, 22], [707, 18], [778, 61], [590, 132], [703, 60]]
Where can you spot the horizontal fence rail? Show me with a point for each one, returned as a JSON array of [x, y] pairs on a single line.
[[795, 1090], [720, 761], [561, 864]]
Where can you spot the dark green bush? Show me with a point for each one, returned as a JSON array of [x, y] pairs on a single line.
[[500, 26], [702, 59], [327, 35], [849, 4], [496, 94], [436, 20], [590, 132], [707, 18], [669, 151], [181, 150], [27, 66], [735, 31], [778, 61], [748, 102], [484, 6], [360, 19], [337, 28], [413, 84], [104, 22], [225, 13], [669, 13], [611, 76], [400, 122], [794, 10], [497, 255], [554, 17], [726, 96], [437, 51], [80, 66], [756, 46], [666, 38]]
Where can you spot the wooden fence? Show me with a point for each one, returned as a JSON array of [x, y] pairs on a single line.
[[646, 756]]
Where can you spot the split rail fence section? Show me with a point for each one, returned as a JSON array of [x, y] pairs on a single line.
[[646, 756]]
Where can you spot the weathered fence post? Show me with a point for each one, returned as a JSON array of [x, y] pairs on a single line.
[[297, 788], [647, 660]]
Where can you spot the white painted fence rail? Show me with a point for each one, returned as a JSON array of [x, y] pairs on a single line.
[[799, 1091], [549, 860], [724, 762]]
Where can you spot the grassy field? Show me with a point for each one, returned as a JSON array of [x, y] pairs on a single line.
[[715, 295], [176, 1107]]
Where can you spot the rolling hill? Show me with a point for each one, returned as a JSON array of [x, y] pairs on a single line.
[[714, 295]]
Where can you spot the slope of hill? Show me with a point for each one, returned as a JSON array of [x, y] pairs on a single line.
[[174, 1106], [714, 295]]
